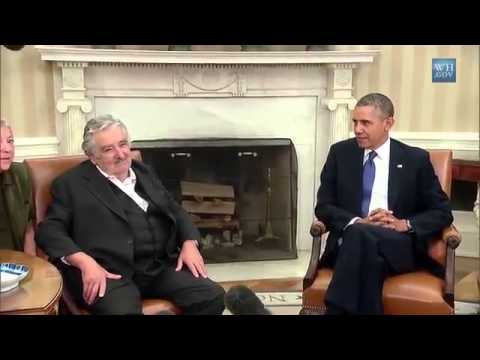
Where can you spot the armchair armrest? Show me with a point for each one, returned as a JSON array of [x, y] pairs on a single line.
[[451, 236], [29, 245], [317, 229]]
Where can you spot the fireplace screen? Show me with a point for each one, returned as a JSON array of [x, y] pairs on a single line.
[[241, 193]]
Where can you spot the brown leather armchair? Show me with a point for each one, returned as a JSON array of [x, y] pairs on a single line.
[[416, 293], [43, 172]]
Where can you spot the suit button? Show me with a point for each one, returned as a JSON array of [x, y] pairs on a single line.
[[130, 242]]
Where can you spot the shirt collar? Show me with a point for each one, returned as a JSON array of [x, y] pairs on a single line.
[[383, 152], [131, 179]]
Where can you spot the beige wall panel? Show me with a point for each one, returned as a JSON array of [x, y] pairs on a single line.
[[401, 71], [404, 73], [26, 92]]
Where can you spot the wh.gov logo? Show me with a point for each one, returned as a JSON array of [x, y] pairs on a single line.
[[444, 70]]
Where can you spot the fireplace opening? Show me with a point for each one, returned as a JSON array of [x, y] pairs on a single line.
[[240, 193]]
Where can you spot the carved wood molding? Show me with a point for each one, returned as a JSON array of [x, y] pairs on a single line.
[[195, 81], [69, 54]]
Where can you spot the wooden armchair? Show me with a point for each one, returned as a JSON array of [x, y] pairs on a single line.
[[413, 293], [42, 173]]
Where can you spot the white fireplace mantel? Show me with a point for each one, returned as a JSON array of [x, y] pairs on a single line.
[[304, 96], [84, 55], [192, 76]]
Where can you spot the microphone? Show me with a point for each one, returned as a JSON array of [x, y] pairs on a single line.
[[165, 312], [240, 300]]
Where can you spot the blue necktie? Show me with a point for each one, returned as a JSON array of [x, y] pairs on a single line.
[[368, 178]]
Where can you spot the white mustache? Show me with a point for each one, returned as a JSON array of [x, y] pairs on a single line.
[[120, 161]]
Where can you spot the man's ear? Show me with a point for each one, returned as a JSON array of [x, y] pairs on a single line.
[[92, 159], [389, 122]]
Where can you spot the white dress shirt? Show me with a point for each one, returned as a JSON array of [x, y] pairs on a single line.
[[128, 187], [379, 197]]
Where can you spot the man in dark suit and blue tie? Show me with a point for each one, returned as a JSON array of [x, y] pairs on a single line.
[[381, 202]]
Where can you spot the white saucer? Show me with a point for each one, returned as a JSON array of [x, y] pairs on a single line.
[[11, 274]]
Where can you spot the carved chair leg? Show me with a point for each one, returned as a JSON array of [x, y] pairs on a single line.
[[313, 310]]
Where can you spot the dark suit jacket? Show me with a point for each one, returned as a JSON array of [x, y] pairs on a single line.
[[414, 193], [85, 215]]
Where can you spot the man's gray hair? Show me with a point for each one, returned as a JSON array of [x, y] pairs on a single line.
[[100, 123], [378, 101]]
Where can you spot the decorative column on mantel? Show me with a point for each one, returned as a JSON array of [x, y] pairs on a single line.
[[74, 105], [339, 100]]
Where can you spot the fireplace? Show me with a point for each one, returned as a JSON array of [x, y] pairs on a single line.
[[303, 98], [241, 193]]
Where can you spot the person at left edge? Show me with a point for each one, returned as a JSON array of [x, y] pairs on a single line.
[[16, 210]]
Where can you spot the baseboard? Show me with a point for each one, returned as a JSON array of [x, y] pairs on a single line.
[[34, 147]]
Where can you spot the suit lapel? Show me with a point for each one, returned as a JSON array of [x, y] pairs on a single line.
[[394, 174], [98, 185], [153, 194], [356, 163]]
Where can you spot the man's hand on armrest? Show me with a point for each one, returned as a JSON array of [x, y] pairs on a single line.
[[191, 257], [94, 276]]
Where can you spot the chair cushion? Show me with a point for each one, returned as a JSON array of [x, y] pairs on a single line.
[[412, 293], [437, 250], [154, 306], [314, 296]]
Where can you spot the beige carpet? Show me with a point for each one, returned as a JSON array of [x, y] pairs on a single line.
[[290, 303], [468, 288], [284, 296], [272, 299], [280, 303], [467, 308]]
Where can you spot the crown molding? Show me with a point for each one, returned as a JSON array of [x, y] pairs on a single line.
[[85, 55]]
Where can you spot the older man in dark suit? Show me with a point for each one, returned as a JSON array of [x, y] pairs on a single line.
[[382, 202], [118, 236]]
